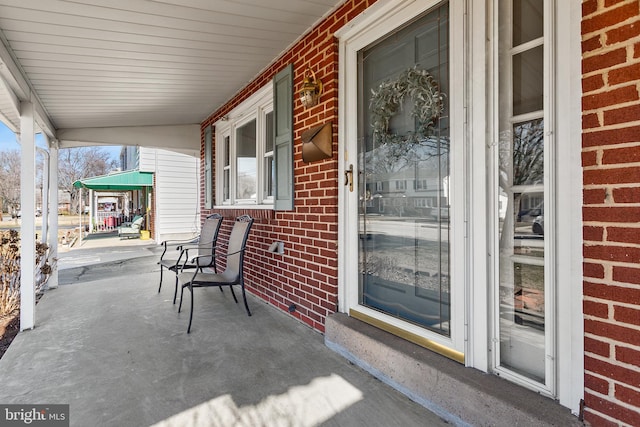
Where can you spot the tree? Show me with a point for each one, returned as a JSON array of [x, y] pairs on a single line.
[[79, 163], [10, 179]]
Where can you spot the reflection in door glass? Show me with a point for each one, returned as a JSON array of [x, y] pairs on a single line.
[[404, 179], [521, 226]]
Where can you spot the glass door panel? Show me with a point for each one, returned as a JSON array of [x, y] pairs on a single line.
[[404, 168], [523, 290]]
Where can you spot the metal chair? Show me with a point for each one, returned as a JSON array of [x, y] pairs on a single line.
[[205, 244], [233, 273]]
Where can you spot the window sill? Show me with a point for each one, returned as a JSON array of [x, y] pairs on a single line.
[[254, 211]]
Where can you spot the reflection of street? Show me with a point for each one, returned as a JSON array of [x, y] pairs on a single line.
[[422, 229], [405, 268]]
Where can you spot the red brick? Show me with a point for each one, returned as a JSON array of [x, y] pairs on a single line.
[[612, 253], [626, 275], [622, 214], [596, 384], [590, 121], [627, 395], [589, 7], [628, 175], [611, 136], [628, 356], [591, 44], [623, 33], [612, 409], [610, 17], [612, 293], [594, 234], [597, 347], [596, 309], [624, 74], [596, 420], [622, 115], [595, 271], [623, 234], [610, 97], [610, 370], [594, 196], [622, 155], [626, 195], [592, 83], [613, 331], [628, 315]]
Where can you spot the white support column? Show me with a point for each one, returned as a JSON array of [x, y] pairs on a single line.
[[53, 217], [92, 203], [45, 194], [28, 227]]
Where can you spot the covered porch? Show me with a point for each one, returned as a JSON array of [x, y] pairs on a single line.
[[126, 194], [118, 353]]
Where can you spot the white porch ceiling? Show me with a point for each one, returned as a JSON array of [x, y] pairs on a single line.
[[119, 63]]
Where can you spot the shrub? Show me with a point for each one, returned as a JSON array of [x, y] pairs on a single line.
[[10, 270]]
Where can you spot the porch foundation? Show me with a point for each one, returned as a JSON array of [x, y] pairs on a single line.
[[461, 395]]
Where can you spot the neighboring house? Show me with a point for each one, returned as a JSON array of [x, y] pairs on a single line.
[[533, 108], [174, 201]]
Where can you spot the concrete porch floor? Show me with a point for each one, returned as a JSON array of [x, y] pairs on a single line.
[[117, 351]]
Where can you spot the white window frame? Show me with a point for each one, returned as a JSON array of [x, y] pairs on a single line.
[[562, 118], [255, 108]]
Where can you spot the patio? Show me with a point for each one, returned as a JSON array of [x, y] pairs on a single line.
[[117, 351]]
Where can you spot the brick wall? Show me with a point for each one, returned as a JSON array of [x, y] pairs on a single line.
[[611, 210], [306, 275]]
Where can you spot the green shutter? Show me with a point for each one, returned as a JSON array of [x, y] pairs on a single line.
[[283, 128], [208, 170]]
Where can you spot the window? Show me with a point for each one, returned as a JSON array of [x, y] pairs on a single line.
[[245, 148], [525, 325], [421, 184]]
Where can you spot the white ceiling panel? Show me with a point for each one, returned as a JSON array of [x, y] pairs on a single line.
[[99, 63]]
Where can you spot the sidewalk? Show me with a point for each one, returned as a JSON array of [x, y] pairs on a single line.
[[109, 345], [100, 248]]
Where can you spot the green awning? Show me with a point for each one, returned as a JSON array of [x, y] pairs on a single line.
[[121, 181]]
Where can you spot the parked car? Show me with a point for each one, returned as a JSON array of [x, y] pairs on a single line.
[[538, 225]]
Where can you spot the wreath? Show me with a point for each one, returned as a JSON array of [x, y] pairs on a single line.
[[385, 102]]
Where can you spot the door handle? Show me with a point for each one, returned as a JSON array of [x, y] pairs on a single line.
[[348, 177]]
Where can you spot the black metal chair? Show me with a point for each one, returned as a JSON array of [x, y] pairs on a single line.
[[233, 273], [205, 244]]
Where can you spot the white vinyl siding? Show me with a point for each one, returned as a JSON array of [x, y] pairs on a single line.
[[147, 159], [176, 195]]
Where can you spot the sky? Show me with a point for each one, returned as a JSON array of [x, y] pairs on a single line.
[[8, 142]]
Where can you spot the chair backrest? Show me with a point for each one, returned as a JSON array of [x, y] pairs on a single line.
[[237, 241], [137, 222], [208, 238]]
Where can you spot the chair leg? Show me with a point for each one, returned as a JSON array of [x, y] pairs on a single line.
[[181, 293], [232, 293], [191, 311], [160, 287], [244, 297], [175, 292]]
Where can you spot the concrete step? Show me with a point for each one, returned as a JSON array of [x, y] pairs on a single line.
[[463, 396]]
